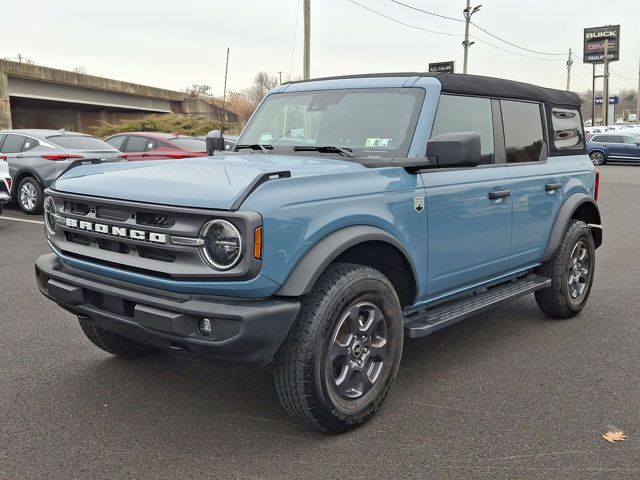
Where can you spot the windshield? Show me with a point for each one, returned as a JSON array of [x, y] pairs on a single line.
[[189, 143], [376, 122]]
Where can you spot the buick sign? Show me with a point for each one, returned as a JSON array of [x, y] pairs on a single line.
[[594, 44]]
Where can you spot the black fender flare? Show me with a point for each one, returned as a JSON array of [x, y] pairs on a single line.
[[568, 208], [309, 268]]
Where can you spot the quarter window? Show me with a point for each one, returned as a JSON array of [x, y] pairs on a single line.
[[29, 143], [523, 135], [467, 114], [567, 129]]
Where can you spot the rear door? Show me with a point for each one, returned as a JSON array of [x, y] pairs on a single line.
[[469, 232], [536, 181]]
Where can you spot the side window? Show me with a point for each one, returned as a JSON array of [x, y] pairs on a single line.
[[12, 144], [467, 114], [116, 142], [567, 129], [616, 139], [29, 143], [151, 144], [523, 135], [136, 144], [630, 140], [598, 138], [1, 140]]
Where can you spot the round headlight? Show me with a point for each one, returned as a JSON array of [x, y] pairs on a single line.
[[223, 244], [50, 215]]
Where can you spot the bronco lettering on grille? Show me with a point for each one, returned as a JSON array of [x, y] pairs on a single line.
[[121, 232]]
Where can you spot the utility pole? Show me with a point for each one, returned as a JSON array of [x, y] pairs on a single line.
[[569, 63], [224, 94], [307, 40], [280, 76], [467, 12], [605, 94]]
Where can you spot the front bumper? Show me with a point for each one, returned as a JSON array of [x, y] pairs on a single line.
[[244, 331]]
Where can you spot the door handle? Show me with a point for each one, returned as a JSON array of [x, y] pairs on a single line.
[[498, 194], [550, 187]]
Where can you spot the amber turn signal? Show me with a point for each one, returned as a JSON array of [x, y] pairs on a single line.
[[257, 243]]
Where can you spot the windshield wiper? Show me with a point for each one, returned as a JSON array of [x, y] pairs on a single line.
[[255, 146], [347, 152]]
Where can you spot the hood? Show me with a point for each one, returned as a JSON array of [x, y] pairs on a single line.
[[203, 182]]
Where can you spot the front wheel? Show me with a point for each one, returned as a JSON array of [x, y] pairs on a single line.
[[598, 158], [30, 196], [342, 355], [571, 271]]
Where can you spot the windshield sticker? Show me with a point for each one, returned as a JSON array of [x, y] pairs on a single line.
[[378, 142], [265, 137], [297, 132]]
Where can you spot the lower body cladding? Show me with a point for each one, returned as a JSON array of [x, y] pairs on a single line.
[[241, 332]]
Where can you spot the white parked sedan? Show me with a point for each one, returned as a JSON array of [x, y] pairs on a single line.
[[5, 182]]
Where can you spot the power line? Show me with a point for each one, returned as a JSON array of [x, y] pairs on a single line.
[[453, 34], [428, 13], [513, 44], [403, 23], [622, 77], [295, 32], [477, 26]]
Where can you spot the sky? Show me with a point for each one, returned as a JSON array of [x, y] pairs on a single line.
[[171, 44]]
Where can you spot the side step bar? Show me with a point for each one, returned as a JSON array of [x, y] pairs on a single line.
[[423, 322]]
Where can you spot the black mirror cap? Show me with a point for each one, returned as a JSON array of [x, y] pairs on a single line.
[[215, 141], [458, 149]]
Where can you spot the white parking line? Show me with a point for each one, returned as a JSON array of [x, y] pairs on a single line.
[[3, 217]]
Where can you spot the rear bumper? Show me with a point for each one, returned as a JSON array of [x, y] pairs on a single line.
[[246, 332]]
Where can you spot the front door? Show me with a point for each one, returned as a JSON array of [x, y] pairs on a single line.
[[469, 210]]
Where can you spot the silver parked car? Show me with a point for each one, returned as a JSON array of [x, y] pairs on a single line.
[[37, 157]]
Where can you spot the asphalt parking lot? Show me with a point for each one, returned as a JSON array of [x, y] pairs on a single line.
[[508, 394]]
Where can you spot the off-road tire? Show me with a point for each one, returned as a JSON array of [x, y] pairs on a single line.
[[302, 376], [113, 343], [556, 300], [33, 186]]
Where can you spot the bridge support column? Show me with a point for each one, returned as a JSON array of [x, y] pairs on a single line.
[[5, 106]]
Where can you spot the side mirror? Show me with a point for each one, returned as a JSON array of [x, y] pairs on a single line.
[[459, 149], [215, 141]]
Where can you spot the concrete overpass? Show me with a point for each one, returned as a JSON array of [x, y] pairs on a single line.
[[32, 96]]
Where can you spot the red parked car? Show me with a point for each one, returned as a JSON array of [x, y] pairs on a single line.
[[157, 146]]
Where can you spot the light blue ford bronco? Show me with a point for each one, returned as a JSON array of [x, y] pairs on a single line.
[[352, 212]]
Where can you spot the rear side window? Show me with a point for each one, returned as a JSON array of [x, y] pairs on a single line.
[[467, 114], [79, 142], [523, 135], [567, 129], [136, 144], [615, 139], [29, 143], [598, 138], [151, 144], [116, 142], [13, 144]]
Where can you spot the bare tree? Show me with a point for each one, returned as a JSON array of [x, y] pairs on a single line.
[[262, 83], [196, 90]]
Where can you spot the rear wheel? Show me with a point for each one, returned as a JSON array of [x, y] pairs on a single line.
[[571, 271], [598, 158], [112, 342], [341, 357], [30, 196]]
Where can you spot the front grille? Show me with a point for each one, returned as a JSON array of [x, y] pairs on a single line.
[[138, 237]]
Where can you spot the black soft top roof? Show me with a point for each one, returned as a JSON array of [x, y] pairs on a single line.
[[485, 86]]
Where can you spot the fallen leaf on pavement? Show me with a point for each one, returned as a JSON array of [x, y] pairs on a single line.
[[615, 436]]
